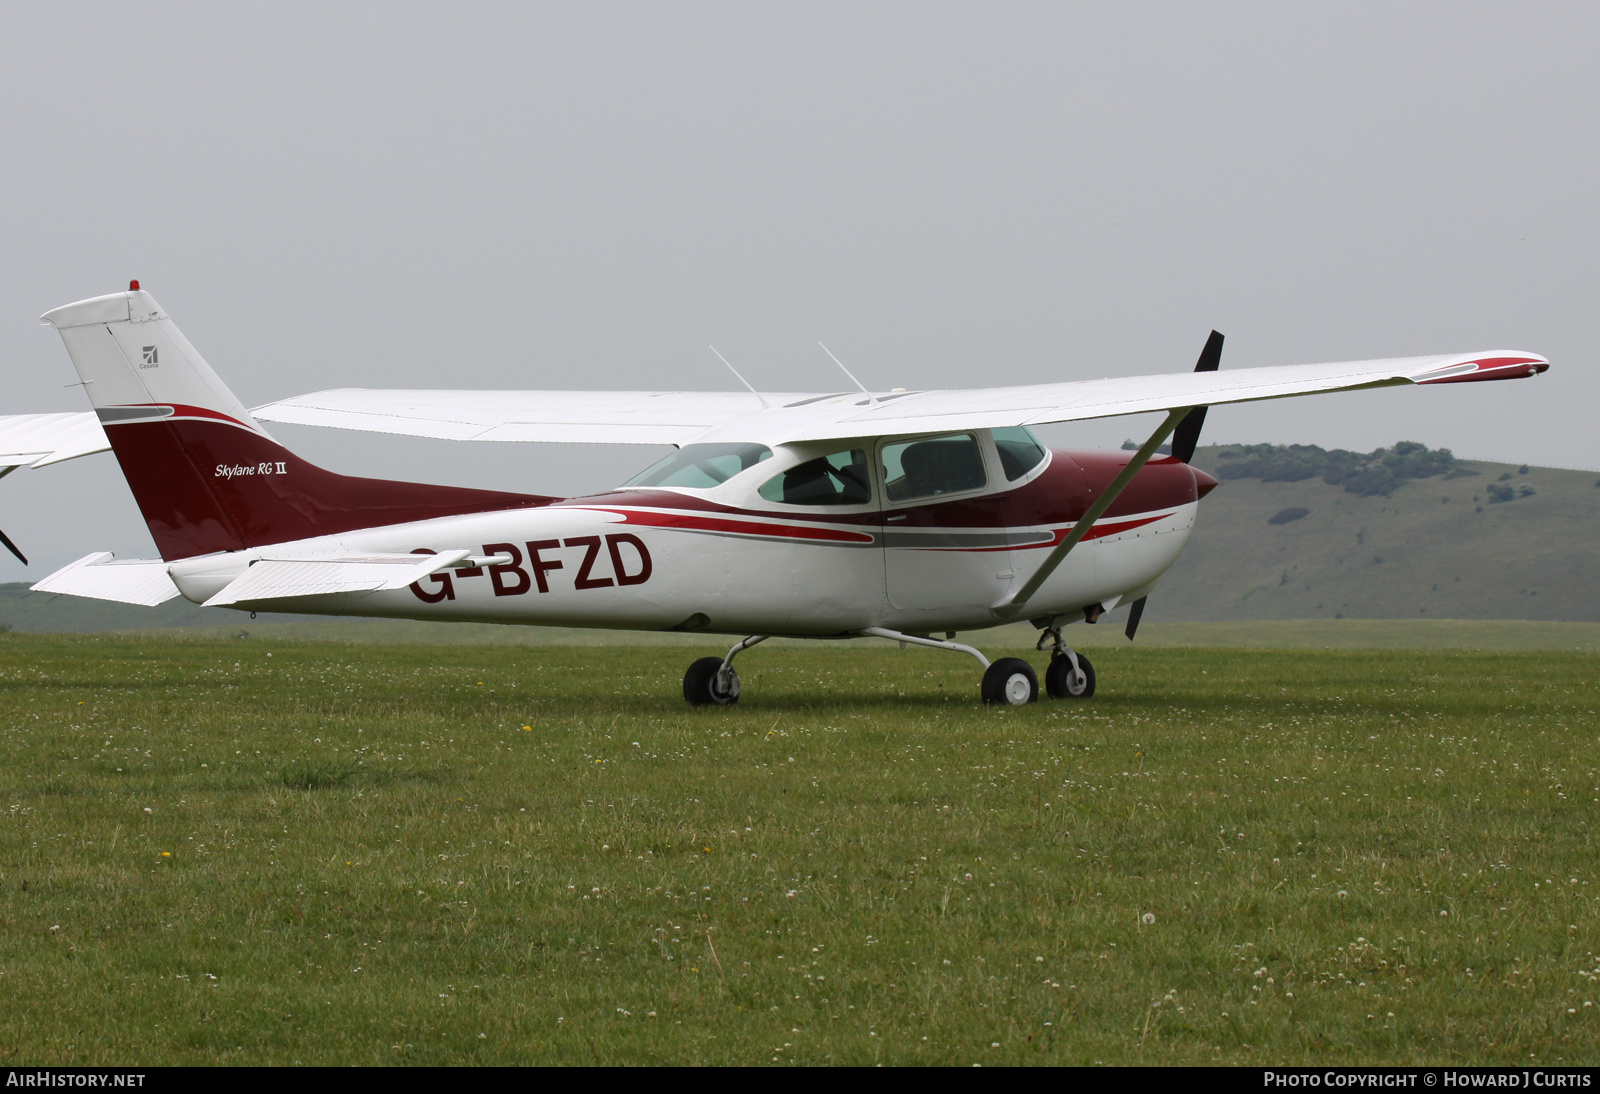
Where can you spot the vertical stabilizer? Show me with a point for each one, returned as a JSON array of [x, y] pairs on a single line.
[[130, 356], [206, 476]]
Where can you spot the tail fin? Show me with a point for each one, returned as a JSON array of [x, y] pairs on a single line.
[[205, 474]]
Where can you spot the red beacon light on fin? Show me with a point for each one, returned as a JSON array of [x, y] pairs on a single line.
[[133, 286]]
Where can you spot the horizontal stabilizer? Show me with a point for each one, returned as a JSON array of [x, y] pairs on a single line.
[[281, 578], [101, 577], [38, 440]]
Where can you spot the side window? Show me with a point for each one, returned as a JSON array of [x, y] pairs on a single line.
[[1020, 451], [837, 479], [931, 466]]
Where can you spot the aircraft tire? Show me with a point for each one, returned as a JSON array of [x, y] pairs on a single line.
[[1010, 681], [700, 684], [1058, 682]]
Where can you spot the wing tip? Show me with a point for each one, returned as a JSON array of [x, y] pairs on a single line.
[[1501, 365]]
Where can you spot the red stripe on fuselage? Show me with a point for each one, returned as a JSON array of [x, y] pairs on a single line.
[[657, 519]]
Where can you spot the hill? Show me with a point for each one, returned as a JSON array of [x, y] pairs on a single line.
[[1434, 547]]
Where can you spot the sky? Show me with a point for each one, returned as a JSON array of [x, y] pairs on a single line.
[[947, 194]]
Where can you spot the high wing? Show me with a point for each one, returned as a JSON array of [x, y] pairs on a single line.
[[681, 417], [1043, 404], [574, 417]]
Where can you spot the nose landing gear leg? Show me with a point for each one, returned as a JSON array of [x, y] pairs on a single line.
[[1070, 676]]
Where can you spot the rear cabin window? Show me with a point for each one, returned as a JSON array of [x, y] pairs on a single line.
[[931, 466], [701, 465], [840, 478], [1020, 451]]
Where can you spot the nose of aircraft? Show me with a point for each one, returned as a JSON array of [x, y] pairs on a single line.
[[1203, 483]]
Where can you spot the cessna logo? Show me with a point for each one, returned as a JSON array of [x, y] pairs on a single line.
[[150, 358], [630, 565]]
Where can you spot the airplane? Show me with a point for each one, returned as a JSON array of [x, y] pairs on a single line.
[[904, 515]]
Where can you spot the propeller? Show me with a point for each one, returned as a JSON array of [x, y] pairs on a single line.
[[1134, 615], [1187, 435], [1184, 440]]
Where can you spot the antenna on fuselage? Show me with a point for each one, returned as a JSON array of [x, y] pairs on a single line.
[[764, 404], [848, 373]]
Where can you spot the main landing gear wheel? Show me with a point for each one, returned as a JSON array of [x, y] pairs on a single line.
[[703, 687], [1010, 681], [1062, 683]]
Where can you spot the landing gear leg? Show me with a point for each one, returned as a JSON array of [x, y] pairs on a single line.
[[1009, 681], [1070, 676], [712, 681]]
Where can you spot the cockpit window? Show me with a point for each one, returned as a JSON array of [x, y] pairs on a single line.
[[837, 479], [931, 466], [701, 465], [1020, 451]]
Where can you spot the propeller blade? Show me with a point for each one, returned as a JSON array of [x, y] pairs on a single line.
[[1134, 615], [1187, 435], [12, 547], [1211, 356]]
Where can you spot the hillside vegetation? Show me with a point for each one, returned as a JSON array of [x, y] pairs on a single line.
[[1404, 533]]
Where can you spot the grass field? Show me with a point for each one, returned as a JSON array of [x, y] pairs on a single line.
[[271, 852]]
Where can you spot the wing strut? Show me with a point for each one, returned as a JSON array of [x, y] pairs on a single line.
[[1015, 605], [5, 539]]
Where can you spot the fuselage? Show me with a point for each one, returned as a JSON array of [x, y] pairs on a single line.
[[727, 559]]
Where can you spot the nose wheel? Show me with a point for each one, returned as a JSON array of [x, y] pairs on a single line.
[[1069, 676]]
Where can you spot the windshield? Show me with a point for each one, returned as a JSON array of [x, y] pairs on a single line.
[[1020, 451], [701, 465]]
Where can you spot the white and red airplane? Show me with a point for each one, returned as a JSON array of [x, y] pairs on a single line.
[[901, 515]]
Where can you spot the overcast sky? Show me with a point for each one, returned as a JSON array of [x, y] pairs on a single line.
[[585, 195]]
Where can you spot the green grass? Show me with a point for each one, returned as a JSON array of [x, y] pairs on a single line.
[[274, 852]]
